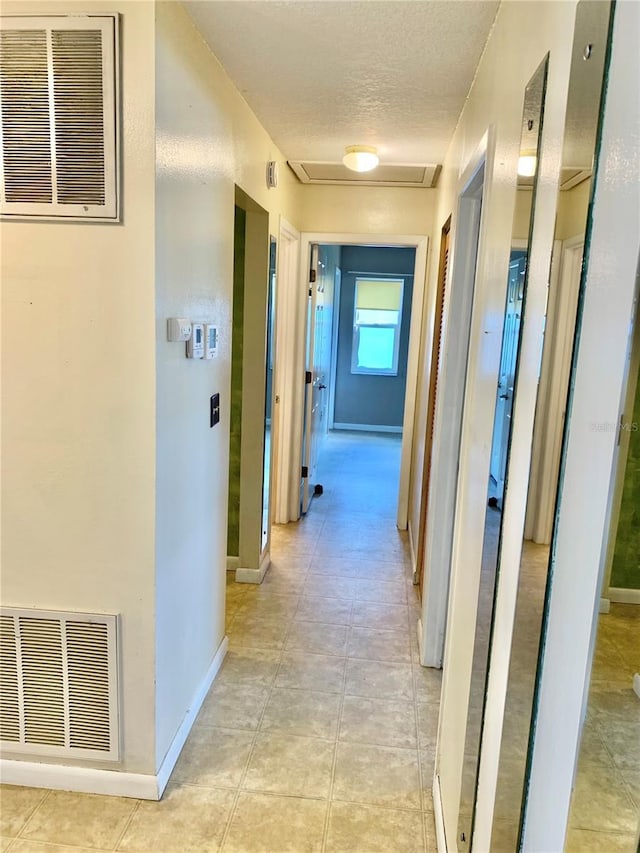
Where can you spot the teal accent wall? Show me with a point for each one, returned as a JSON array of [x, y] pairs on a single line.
[[233, 528], [625, 570], [369, 399]]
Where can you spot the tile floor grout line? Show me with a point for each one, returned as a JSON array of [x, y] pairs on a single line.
[[46, 796], [419, 756], [238, 790], [128, 824], [332, 779]]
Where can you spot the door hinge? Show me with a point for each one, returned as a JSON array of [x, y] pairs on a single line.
[[304, 472], [312, 276], [308, 377]]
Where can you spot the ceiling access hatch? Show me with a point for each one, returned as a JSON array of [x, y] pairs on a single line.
[[385, 175]]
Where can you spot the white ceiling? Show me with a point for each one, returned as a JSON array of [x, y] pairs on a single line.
[[324, 74]]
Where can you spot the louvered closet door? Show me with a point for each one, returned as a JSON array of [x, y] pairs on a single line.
[[58, 110], [436, 358]]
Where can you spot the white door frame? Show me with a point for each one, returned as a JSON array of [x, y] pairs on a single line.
[[465, 221], [468, 256], [608, 307], [286, 379], [418, 242], [337, 289]]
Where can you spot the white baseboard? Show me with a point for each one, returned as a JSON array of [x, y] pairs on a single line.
[[180, 738], [368, 427], [420, 644], [441, 838], [414, 565], [232, 563], [605, 605], [254, 575], [91, 780], [623, 596]]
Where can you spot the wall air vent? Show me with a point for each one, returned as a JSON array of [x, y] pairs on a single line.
[[58, 684], [385, 175], [58, 117]]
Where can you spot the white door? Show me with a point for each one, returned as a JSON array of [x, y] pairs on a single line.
[[309, 434], [506, 382], [318, 366]]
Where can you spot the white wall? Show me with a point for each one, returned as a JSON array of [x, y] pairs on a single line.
[[495, 102], [207, 139], [572, 211], [78, 441], [115, 488], [366, 210]]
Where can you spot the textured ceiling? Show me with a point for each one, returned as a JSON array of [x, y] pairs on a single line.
[[324, 74]]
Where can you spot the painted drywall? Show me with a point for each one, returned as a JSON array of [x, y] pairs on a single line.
[[494, 107], [78, 438], [115, 486], [522, 215], [207, 141], [361, 399], [572, 210], [366, 210]]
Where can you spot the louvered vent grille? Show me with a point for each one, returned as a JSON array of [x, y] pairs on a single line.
[[58, 683], [26, 130], [42, 681], [78, 98], [58, 107], [9, 698]]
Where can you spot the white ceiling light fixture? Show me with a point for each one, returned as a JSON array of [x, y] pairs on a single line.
[[527, 164], [360, 158]]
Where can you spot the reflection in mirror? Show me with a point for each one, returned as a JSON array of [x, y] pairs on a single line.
[[585, 87], [609, 758], [268, 397], [514, 307]]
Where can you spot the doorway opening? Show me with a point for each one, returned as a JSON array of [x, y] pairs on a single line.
[[250, 394], [361, 309]]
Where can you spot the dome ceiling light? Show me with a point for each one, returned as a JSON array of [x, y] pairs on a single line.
[[360, 158]]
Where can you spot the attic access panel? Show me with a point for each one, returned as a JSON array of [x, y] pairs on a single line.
[[384, 175]]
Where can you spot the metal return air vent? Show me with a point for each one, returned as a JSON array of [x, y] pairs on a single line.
[[385, 175], [58, 109], [58, 685]]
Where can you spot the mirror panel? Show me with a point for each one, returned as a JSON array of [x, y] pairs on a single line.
[[268, 397], [585, 88], [532, 116]]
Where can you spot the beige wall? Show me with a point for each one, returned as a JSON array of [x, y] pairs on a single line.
[[522, 215], [207, 140], [78, 400], [99, 409], [572, 211], [366, 210]]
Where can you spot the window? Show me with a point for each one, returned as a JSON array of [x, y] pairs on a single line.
[[377, 316]]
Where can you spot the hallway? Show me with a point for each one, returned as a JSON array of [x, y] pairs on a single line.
[[319, 732]]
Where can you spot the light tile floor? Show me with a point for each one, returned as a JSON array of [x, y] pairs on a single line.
[[319, 732]]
